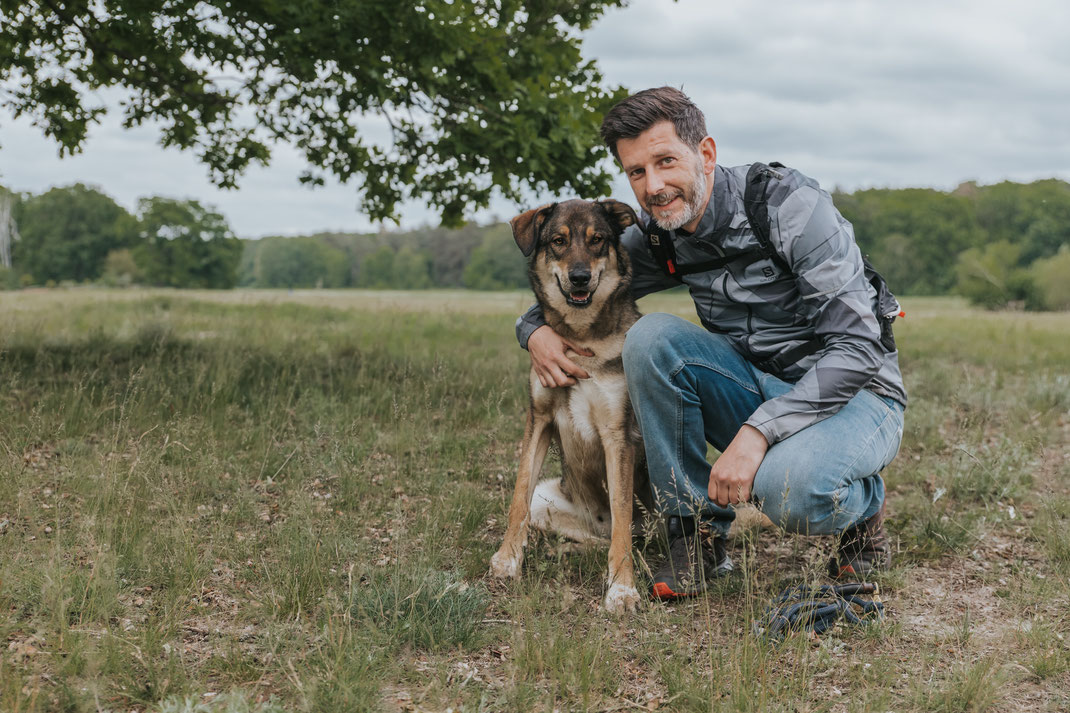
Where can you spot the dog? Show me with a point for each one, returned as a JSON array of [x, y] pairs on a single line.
[[581, 276]]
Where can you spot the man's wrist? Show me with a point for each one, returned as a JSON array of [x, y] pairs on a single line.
[[753, 435], [532, 334], [527, 324], [753, 429]]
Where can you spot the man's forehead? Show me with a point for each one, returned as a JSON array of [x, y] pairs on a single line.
[[659, 140]]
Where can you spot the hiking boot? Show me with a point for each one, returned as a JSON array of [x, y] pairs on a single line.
[[690, 563], [863, 549]]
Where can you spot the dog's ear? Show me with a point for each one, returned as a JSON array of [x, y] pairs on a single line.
[[620, 214], [526, 227]]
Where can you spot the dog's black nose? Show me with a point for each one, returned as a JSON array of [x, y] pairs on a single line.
[[579, 276]]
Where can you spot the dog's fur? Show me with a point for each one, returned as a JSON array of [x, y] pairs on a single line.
[[591, 422]]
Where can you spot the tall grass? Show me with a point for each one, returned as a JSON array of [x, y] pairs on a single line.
[[261, 501]]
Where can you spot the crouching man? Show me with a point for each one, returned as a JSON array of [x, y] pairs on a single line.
[[793, 374]]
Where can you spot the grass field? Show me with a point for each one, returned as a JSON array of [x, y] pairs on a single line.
[[261, 501]]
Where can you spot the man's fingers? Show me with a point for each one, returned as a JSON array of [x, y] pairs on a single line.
[[722, 495], [546, 377], [573, 369], [578, 349], [726, 493], [554, 377], [565, 372], [553, 368], [563, 379]]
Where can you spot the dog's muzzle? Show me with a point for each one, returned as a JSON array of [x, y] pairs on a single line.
[[576, 297]]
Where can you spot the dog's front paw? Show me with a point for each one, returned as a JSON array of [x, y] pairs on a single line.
[[621, 598], [505, 565]]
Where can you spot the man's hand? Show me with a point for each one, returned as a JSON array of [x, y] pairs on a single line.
[[547, 349], [732, 475]]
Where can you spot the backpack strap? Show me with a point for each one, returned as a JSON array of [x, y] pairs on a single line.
[[661, 248], [756, 205], [659, 241]]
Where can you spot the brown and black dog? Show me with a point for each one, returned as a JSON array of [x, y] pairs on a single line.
[[581, 277]]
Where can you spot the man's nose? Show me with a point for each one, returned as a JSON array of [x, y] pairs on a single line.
[[654, 183]]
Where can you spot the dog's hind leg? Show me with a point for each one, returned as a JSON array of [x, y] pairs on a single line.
[[553, 511], [507, 560], [621, 595]]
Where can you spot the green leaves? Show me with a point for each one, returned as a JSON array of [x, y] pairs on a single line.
[[186, 245], [476, 96], [68, 232]]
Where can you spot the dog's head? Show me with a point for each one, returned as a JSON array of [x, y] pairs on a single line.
[[576, 243]]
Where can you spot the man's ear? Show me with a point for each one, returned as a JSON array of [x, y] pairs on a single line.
[[620, 214], [527, 225], [707, 151]]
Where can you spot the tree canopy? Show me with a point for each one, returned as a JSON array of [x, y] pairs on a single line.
[[66, 233], [186, 245], [473, 96]]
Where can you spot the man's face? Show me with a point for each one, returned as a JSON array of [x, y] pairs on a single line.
[[668, 177]]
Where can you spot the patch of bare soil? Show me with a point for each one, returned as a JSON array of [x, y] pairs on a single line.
[[971, 607]]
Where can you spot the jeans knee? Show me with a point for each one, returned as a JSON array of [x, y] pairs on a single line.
[[796, 497], [648, 341]]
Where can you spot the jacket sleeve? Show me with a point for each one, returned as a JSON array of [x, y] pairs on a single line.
[[818, 244], [646, 279], [528, 323]]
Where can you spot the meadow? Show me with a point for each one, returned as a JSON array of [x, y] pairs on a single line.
[[259, 501]]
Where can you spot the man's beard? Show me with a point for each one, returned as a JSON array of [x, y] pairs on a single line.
[[694, 199]]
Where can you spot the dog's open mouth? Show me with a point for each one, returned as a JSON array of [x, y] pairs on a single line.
[[579, 299], [576, 298]]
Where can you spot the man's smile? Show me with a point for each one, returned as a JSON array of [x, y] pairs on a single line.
[[663, 201], [669, 207]]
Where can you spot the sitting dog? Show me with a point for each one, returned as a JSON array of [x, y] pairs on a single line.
[[581, 277]]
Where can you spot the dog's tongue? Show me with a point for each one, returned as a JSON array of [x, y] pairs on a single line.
[[580, 296]]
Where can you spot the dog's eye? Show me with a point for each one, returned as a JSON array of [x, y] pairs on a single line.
[[558, 241], [596, 239]]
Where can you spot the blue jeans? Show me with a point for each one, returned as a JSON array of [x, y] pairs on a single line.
[[689, 387]]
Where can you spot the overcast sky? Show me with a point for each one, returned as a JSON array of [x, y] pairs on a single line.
[[855, 93]]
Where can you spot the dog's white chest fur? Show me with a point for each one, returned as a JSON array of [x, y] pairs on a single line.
[[589, 402]]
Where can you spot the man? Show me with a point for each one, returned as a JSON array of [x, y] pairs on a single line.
[[804, 438]]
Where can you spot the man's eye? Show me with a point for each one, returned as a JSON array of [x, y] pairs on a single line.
[[668, 159]]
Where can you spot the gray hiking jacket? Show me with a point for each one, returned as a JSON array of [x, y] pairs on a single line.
[[765, 312]]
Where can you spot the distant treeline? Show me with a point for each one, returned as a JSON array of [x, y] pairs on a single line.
[[477, 257], [998, 245]]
